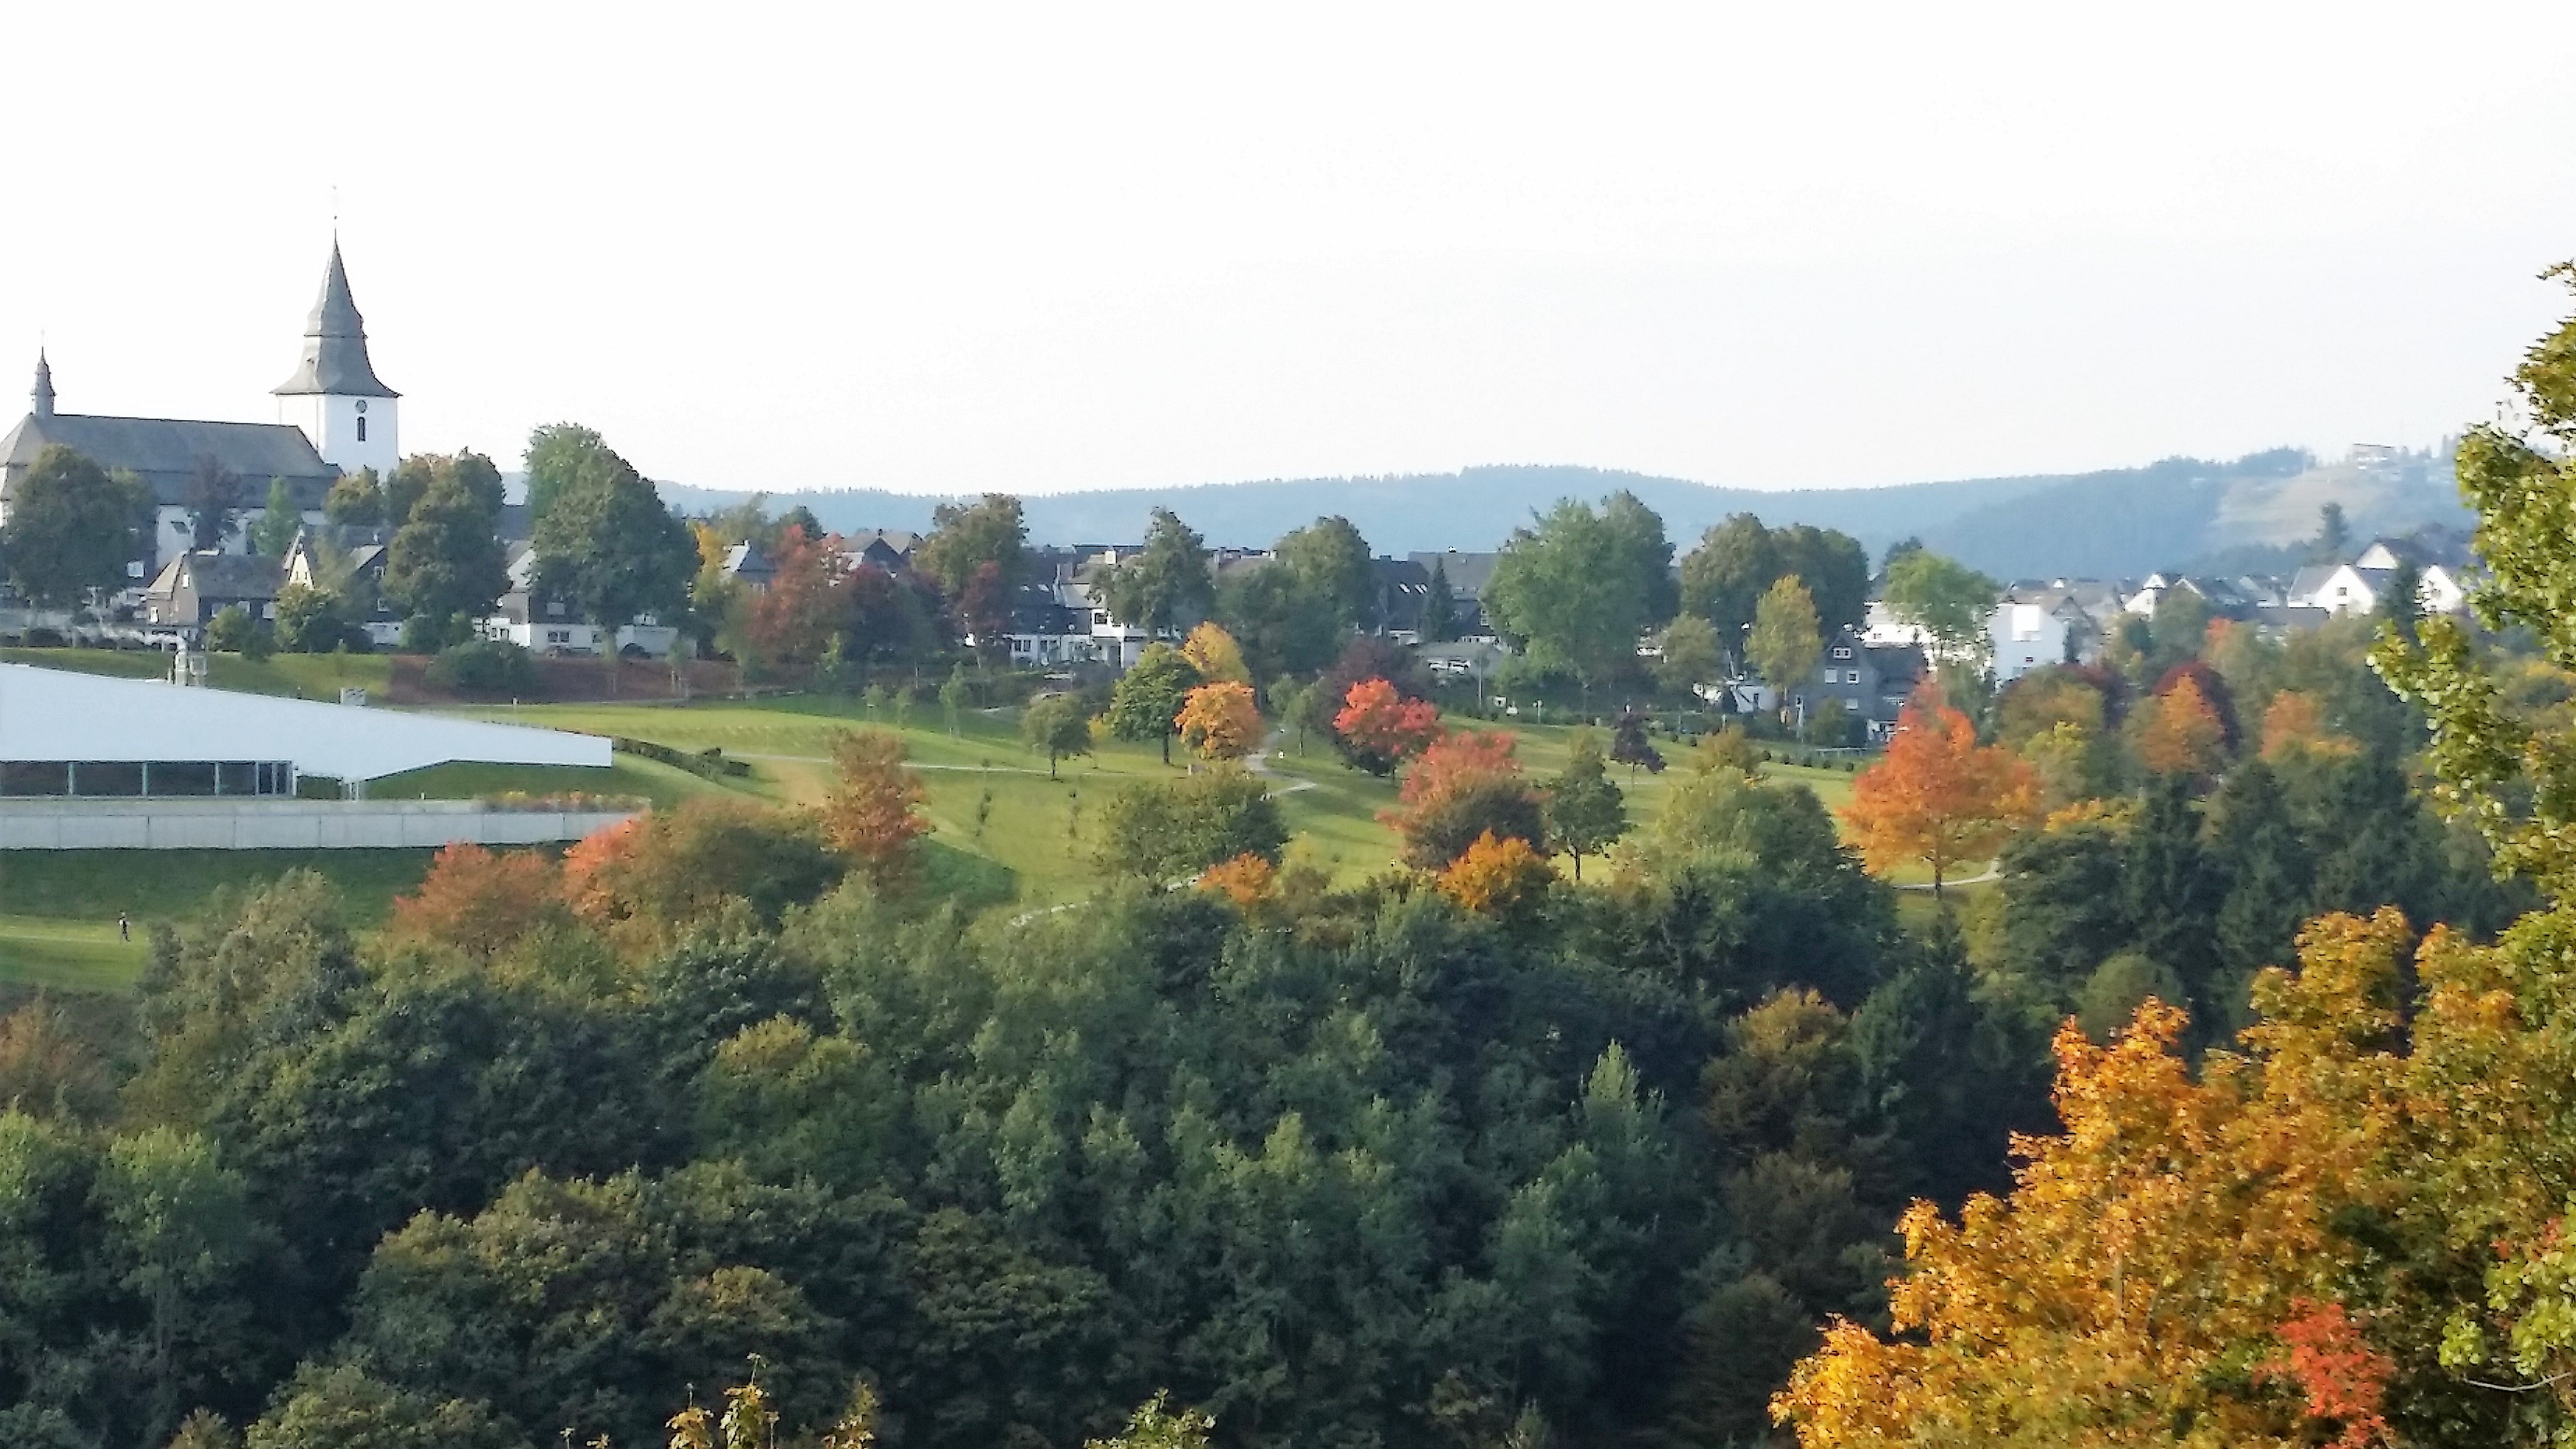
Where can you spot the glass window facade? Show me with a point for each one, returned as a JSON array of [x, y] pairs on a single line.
[[130, 779]]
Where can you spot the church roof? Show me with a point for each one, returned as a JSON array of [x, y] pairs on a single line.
[[335, 344], [164, 452]]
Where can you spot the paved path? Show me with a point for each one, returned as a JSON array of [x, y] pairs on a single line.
[[1993, 871]]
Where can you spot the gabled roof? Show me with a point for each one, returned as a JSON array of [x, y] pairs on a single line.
[[1468, 573], [164, 453], [219, 576], [335, 344]]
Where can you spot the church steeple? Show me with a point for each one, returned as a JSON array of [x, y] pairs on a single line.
[[335, 396], [335, 344], [43, 396]]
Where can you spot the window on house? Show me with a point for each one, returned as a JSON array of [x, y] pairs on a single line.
[[1843, 652], [362, 427]]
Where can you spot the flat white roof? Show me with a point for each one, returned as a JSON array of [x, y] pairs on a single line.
[[55, 714]]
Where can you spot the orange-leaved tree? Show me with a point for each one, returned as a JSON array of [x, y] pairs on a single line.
[[2305, 1242], [479, 901], [1937, 796], [1246, 880], [649, 879], [1375, 718], [2294, 724], [1466, 785], [2179, 732], [1494, 875], [869, 816], [1220, 720]]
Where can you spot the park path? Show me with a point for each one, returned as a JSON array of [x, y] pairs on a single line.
[[1994, 871]]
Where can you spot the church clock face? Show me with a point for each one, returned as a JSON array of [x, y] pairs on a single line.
[[362, 404]]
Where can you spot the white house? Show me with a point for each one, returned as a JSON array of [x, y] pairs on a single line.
[[2356, 588]]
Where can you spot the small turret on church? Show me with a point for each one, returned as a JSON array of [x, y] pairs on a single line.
[[334, 395], [43, 396]]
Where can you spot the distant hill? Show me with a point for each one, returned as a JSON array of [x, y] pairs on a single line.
[[2119, 521]]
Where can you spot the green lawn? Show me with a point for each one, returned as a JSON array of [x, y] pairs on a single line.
[[1005, 832], [311, 676], [58, 908]]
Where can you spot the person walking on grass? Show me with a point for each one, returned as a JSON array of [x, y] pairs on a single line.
[[124, 927]]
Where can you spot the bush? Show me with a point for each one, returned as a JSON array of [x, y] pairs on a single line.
[[230, 631], [485, 666]]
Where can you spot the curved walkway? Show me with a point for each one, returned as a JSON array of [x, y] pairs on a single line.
[[1994, 871]]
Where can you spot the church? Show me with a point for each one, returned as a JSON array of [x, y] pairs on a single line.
[[334, 416]]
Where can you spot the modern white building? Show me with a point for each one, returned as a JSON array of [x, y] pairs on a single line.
[[64, 734]]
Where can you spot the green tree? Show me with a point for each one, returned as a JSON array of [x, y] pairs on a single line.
[[953, 699], [1165, 830], [966, 536], [2268, 870], [1330, 562], [2333, 535], [413, 479], [1835, 569], [72, 528], [214, 498], [1164, 587], [1575, 591], [1785, 642], [562, 454], [356, 500], [1724, 576], [1439, 607], [2170, 893], [1585, 810], [179, 1227], [1057, 724], [1948, 601], [1150, 694], [273, 532], [1279, 626], [230, 629], [607, 544], [1637, 536], [446, 560], [1691, 655], [310, 620]]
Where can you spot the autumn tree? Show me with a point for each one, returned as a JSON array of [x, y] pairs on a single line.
[[787, 627], [1220, 721], [1493, 875], [1057, 724], [650, 879], [2294, 725], [479, 901], [1467, 784], [1379, 724], [1213, 653], [965, 537], [1937, 796], [870, 815], [2178, 733]]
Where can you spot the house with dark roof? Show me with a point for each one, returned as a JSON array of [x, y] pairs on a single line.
[[1867, 682], [334, 415], [194, 587]]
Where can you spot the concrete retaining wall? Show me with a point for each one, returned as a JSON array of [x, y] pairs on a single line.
[[160, 824]]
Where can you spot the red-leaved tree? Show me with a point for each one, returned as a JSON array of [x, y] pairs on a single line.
[[478, 901], [1379, 721], [1466, 785]]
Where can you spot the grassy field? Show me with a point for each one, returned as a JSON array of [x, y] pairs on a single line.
[[1005, 831], [309, 676], [58, 909]]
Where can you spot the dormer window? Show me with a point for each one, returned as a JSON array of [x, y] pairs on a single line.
[[1842, 651]]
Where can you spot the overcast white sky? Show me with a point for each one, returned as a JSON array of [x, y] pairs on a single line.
[[949, 247]]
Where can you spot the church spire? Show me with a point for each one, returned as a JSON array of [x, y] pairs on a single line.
[[335, 344], [43, 396]]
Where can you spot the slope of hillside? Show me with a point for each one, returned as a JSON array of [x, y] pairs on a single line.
[[2117, 521]]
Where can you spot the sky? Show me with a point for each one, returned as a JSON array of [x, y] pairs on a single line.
[[964, 247]]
